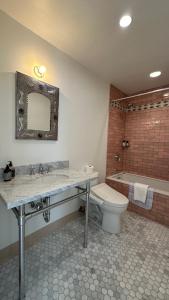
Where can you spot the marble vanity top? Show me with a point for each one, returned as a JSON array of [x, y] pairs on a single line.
[[26, 188]]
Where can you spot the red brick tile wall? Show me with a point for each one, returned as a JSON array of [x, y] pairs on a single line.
[[148, 154], [115, 137], [119, 186], [148, 135], [159, 211], [115, 93], [115, 134]]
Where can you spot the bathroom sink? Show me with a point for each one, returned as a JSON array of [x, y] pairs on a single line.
[[20, 180], [62, 176], [39, 179], [51, 178]]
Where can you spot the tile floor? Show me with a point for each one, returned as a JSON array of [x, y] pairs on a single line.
[[132, 265]]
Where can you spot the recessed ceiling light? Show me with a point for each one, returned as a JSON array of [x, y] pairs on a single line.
[[125, 21], [155, 74]]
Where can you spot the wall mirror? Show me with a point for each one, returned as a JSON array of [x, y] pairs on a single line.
[[36, 109]]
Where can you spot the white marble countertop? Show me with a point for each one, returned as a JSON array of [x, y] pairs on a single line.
[[26, 188]]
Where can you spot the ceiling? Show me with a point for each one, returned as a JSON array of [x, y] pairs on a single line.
[[89, 32]]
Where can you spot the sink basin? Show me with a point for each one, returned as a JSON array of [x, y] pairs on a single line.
[[51, 178], [39, 179], [62, 176], [20, 180]]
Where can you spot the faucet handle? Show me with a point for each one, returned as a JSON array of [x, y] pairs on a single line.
[[32, 171], [41, 169]]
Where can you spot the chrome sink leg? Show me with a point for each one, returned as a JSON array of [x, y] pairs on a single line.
[[21, 223], [86, 215]]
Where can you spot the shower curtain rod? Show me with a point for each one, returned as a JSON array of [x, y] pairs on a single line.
[[141, 94]]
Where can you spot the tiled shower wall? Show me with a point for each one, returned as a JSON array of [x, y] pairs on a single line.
[[144, 121], [116, 132]]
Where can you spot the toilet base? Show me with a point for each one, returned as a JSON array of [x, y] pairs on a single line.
[[111, 222]]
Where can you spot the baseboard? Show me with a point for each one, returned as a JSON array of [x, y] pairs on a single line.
[[12, 250]]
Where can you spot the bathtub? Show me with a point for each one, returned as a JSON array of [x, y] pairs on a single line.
[[160, 209]]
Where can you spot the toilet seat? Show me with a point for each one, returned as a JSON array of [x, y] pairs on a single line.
[[109, 195]]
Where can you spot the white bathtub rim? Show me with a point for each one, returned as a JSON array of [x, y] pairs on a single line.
[[113, 177]]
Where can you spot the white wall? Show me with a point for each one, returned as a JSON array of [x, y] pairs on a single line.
[[83, 112]]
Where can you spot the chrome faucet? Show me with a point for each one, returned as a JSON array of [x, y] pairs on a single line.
[[41, 169], [117, 157], [32, 170], [47, 169]]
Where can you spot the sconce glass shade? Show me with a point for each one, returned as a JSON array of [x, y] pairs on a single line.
[[39, 71]]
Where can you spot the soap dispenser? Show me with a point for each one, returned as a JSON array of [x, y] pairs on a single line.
[[7, 174], [10, 164]]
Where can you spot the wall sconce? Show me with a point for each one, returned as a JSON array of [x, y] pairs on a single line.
[[39, 71]]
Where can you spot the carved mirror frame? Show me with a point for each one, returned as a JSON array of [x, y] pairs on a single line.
[[24, 86]]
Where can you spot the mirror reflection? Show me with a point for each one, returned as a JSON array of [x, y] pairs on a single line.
[[38, 112]]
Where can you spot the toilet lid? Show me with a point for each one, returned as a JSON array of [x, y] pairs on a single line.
[[109, 195]]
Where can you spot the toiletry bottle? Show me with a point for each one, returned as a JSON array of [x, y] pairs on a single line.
[[123, 143], [7, 174], [12, 168]]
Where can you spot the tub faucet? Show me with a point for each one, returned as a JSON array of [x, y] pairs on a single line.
[[115, 171], [32, 170], [48, 169], [117, 157]]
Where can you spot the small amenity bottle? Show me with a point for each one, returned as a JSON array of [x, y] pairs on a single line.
[[7, 174]]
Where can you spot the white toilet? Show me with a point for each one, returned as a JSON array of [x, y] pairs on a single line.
[[112, 204]]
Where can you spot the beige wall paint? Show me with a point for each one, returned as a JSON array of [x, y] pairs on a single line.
[[83, 111]]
